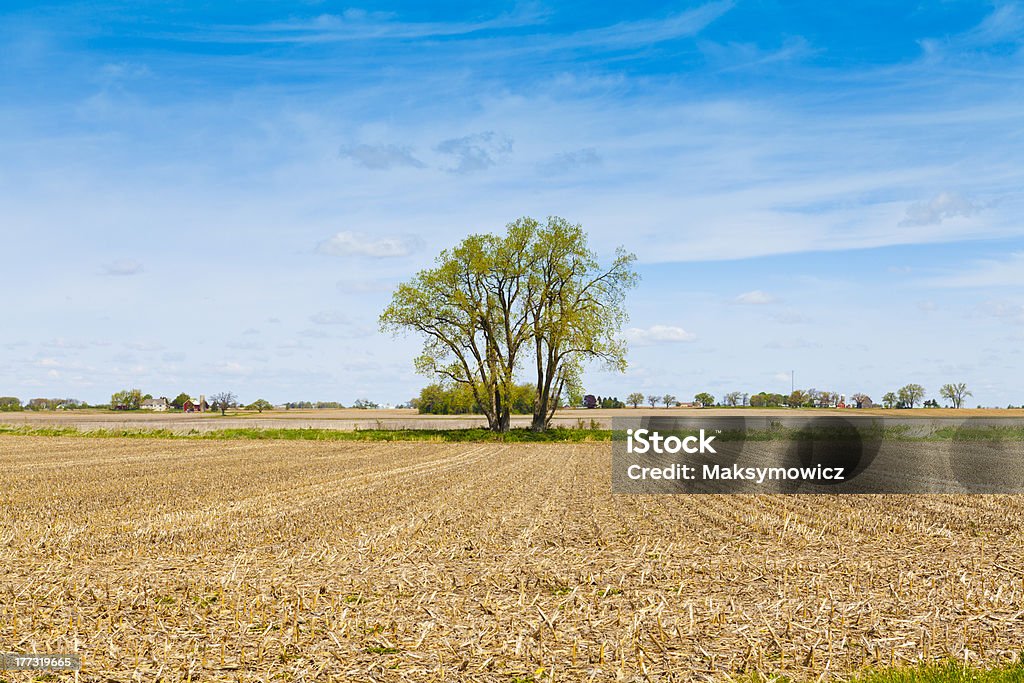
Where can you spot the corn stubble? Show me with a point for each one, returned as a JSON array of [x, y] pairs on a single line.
[[258, 561]]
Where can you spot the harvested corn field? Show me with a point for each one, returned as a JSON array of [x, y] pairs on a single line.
[[256, 560]]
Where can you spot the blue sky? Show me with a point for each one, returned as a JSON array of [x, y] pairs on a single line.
[[207, 196]]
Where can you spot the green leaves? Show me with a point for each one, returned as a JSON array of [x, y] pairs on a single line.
[[493, 301]]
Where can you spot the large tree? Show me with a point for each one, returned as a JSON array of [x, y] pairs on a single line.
[[494, 305], [224, 400], [9, 403], [955, 392], [635, 399], [861, 400], [910, 395], [260, 404], [127, 399], [705, 399]]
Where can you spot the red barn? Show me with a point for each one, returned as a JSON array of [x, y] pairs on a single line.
[[200, 406]]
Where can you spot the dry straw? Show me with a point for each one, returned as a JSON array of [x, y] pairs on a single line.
[[306, 561]]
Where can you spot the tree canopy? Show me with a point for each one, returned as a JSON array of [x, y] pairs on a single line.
[[956, 392], [224, 400], [705, 399], [259, 405], [127, 399], [910, 395], [494, 305]]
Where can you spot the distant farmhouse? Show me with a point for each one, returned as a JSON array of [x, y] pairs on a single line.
[[158, 404], [200, 406]]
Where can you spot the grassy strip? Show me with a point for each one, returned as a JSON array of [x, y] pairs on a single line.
[[522, 435], [557, 434], [950, 672]]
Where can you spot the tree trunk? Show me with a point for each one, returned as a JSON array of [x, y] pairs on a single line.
[[495, 420], [539, 423], [543, 403]]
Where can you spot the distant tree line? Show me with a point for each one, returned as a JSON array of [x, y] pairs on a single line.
[[907, 396], [13, 404], [458, 399]]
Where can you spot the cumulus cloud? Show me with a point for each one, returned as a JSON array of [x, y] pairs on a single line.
[[381, 157], [122, 267], [475, 152], [347, 243], [658, 334], [568, 161], [937, 209], [755, 298]]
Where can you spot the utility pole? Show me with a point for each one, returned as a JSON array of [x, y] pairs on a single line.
[[792, 381]]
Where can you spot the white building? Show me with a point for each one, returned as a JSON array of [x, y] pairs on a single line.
[[159, 404]]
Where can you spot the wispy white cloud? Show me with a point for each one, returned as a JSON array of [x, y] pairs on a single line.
[[475, 152], [148, 346], [365, 285], [736, 56], [942, 206], [791, 344], [755, 298], [996, 272], [330, 318], [1008, 311], [122, 268], [647, 31], [232, 368], [564, 162], [658, 334], [239, 345], [381, 157], [356, 25], [791, 318], [347, 243], [1005, 24]]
